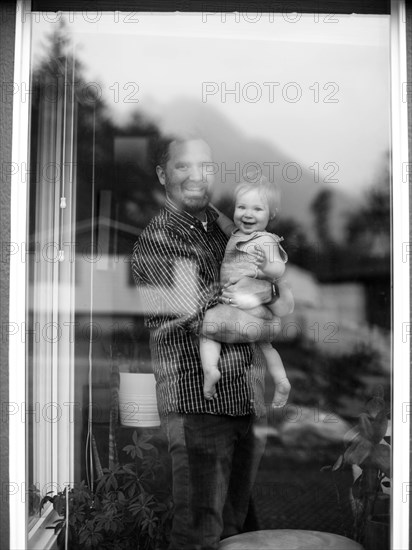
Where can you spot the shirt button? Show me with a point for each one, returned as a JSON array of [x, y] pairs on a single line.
[[192, 227], [252, 400]]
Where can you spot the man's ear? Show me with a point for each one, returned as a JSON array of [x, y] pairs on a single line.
[[161, 175]]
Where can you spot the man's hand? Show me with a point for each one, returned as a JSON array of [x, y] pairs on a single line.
[[233, 325], [285, 303], [246, 293]]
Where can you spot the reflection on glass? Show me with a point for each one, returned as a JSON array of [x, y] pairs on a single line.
[[306, 114]]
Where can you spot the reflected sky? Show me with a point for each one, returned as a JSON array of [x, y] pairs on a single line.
[[314, 87]]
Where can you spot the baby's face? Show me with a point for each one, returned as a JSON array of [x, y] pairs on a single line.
[[251, 212]]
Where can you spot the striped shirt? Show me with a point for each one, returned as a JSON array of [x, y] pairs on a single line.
[[176, 266]]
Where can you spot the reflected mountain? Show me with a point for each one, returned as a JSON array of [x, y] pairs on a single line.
[[233, 150]]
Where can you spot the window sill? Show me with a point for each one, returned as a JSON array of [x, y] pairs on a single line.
[[40, 536]]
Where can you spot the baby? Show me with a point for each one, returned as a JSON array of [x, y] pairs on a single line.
[[251, 252]]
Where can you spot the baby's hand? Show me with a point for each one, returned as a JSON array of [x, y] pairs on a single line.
[[258, 255]]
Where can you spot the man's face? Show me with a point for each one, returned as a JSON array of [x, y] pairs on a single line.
[[188, 176]]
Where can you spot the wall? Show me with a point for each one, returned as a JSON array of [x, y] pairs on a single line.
[[7, 31], [408, 4]]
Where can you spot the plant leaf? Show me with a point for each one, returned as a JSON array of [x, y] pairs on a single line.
[[365, 426], [138, 452], [380, 426], [146, 446], [374, 406], [357, 452], [357, 487], [381, 457], [351, 435], [338, 464]]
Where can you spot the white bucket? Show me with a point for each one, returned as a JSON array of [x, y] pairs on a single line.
[[137, 400]]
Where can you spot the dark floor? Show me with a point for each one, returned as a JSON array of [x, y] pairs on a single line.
[[301, 496], [287, 494]]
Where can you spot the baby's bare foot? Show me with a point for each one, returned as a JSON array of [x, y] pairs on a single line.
[[211, 377], [282, 390]]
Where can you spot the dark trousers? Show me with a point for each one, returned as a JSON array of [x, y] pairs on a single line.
[[214, 460]]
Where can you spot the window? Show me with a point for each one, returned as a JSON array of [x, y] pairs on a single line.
[[51, 288], [291, 104]]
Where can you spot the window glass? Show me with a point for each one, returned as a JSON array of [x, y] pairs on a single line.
[[299, 99]]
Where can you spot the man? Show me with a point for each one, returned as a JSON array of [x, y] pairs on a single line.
[[176, 260]]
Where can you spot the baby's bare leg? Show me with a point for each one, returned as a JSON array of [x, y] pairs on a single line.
[[278, 373], [209, 354]]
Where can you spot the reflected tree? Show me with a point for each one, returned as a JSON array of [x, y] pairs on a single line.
[[301, 251], [368, 228], [321, 209]]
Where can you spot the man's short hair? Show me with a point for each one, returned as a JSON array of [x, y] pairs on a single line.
[[161, 146], [161, 150]]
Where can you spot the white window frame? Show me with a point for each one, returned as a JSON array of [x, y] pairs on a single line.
[[17, 312], [54, 432], [400, 279], [401, 308]]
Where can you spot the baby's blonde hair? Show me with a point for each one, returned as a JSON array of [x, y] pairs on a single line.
[[269, 190]]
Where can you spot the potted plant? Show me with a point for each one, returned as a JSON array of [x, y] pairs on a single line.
[[367, 452], [128, 507]]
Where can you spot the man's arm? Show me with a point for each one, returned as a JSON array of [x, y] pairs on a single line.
[[247, 293], [225, 323], [246, 319], [285, 302], [168, 279]]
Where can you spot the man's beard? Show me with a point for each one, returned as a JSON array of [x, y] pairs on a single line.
[[194, 205]]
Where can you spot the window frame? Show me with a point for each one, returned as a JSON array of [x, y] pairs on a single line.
[[400, 283], [55, 432], [400, 268], [17, 310]]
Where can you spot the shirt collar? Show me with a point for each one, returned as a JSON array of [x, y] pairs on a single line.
[[187, 219]]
